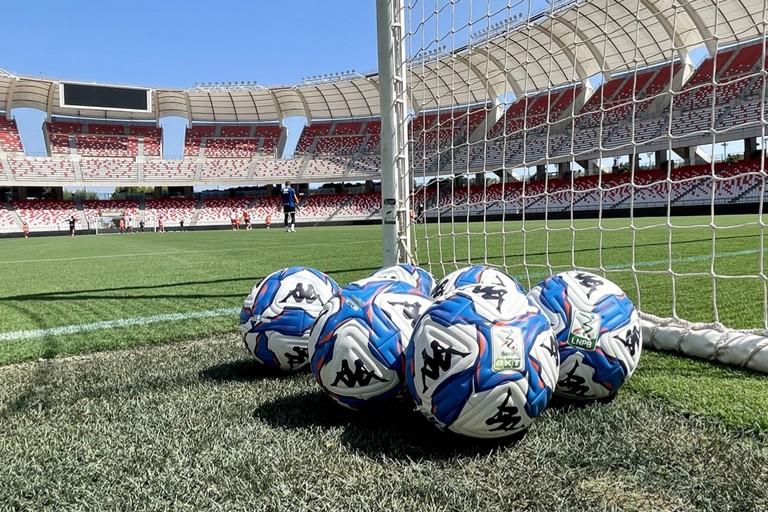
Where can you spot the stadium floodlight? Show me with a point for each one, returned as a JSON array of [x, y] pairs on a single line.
[[537, 173]]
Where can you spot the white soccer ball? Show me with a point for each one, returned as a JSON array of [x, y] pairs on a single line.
[[279, 312], [411, 274], [597, 329], [475, 274], [482, 362], [357, 346]]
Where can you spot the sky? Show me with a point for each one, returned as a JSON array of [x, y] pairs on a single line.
[[168, 44]]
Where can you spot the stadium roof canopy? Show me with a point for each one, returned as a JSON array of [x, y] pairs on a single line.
[[567, 44]]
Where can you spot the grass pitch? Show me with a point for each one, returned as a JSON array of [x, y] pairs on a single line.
[[174, 415], [197, 425]]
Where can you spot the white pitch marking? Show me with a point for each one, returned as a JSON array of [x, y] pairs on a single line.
[[170, 317], [112, 324]]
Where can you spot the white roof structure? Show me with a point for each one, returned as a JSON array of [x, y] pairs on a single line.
[[566, 44]]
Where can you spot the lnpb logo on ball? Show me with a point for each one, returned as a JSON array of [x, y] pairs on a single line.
[[507, 348], [354, 303], [585, 329]]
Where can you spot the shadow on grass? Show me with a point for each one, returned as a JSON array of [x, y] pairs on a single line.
[[394, 430], [240, 370], [107, 293], [101, 293], [560, 403]]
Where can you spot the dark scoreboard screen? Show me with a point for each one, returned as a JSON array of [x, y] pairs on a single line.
[[105, 97]]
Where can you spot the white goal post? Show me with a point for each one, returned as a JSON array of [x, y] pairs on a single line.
[[626, 138]]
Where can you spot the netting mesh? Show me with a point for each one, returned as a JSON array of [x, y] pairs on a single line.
[[624, 138]]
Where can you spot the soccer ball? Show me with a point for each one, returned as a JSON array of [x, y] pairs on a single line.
[[279, 312], [357, 346], [482, 362], [473, 275], [598, 333], [415, 276]]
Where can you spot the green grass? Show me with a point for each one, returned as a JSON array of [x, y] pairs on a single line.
[[199, 426], [175, 414], [59, 281]]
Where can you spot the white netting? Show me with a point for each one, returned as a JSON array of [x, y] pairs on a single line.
[[624, 138]]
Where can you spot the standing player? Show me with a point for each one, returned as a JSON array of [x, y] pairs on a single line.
[[268, 220], [25, 229], [289, 206], [72, 222], [247, 220]]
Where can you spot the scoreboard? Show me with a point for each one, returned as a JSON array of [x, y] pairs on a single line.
[[104, 97]]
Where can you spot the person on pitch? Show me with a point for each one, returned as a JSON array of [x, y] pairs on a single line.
[[289, 206], [72, 222], [247, 220]]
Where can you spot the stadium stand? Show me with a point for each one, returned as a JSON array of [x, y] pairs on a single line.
[[171, 210], [322, 207], [10, 141], [359, 206], [7, 221], [46, 215], [278, 170], [94, 139], [41, 169], [92, 208], [267, 205], [231, 141], [623, 114], [217, 211], [170, 170], [230, 168], [119, 170]]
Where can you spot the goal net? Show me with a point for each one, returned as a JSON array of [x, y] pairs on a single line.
[[109, 222], [623, 138]]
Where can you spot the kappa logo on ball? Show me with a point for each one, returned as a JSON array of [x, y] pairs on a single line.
[[585, 329], [507, 345], [300, 294], [589, 281], [411, 310]]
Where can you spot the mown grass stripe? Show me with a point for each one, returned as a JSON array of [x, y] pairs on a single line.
[[112, 324], [654, 263], [166, 253], [170, 317]]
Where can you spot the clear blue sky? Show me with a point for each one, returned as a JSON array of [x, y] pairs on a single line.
[[169, 44]]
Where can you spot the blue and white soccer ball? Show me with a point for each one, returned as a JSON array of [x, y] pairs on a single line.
[[475, 274], [411, 274], [279, 312], [357, 346], [597, 329], [482, 362]]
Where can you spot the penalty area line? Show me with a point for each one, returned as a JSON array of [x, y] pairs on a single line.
[[112, 324]]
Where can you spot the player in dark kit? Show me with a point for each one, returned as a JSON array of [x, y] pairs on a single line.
[[72, 221], [289, 206]]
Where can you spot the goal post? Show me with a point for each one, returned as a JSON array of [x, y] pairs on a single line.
[[395, 179], [622, 138]]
